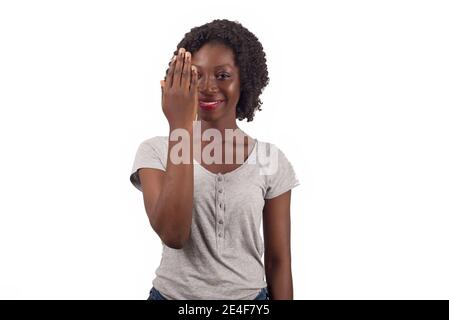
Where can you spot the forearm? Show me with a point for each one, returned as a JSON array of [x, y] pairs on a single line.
[[173, 212], [279, 280]]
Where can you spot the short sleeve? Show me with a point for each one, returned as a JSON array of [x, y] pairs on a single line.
[[283, 178], [150, 154]]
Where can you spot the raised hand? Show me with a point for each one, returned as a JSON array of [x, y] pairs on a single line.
[[180, 91]]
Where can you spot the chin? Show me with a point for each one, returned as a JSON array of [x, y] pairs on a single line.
[[207, 117]]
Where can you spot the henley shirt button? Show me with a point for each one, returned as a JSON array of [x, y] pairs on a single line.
[[220, 178], [221, 205], [220, 222], [220, 235], [220, 190]]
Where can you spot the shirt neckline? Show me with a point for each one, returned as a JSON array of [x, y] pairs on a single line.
[[256, 142]]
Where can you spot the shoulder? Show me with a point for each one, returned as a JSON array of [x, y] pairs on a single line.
[[156, 144], [278, 169], [156, 141], [151, 153], [154, 147], [271, 157], [269, 149]]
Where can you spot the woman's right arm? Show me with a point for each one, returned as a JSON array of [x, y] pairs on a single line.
[[168, 199], [168, 196]]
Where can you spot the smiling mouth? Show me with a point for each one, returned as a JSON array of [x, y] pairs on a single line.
[[210, 105]]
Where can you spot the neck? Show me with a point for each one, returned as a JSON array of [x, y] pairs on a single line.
[[220, 126]]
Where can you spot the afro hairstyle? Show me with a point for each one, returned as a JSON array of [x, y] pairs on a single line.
[[249, 58]]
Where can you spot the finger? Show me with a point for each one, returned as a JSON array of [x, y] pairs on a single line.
[[193, 79], [166, 71], [170, 72], [194, 90], [162, 82], [175, 54], [178, 68], [186, 72]]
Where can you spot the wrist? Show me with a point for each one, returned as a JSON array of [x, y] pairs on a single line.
[[181, 125]]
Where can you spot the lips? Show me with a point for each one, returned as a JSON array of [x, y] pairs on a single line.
[[210, 105]]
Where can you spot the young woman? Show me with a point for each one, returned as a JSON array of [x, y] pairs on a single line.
[[208, 214]]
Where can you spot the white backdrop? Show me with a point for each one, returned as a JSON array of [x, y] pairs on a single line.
[[358, 101]]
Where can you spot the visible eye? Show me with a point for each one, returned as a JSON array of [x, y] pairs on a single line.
[[223, 76], [220, 76]]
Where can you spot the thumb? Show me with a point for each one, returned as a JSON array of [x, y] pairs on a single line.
[[195, 109], [162, 82]]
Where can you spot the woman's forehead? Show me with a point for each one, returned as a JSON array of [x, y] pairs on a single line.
[[212, 56]]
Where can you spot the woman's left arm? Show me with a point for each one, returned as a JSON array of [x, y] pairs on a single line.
[[277, 256]]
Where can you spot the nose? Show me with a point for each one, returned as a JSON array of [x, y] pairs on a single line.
[[207, 84]]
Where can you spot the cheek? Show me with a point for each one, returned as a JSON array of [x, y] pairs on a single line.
[[233, 91]]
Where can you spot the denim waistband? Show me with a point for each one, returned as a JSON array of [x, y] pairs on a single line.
[[156, 295]]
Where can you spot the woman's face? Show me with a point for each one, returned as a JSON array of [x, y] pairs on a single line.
[[218, 80]]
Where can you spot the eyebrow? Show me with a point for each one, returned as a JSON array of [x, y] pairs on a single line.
[[221, 65]]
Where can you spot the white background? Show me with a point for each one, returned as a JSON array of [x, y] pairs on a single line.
[[358, 101]]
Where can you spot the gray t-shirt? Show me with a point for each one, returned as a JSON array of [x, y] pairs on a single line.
[[222, 259]]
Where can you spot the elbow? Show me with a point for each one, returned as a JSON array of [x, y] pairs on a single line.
[[174, 243], [172, 234], [174, 240]]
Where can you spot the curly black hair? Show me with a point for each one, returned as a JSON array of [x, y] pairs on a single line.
[[248, 53]]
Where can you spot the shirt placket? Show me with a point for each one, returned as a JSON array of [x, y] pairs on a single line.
[[220, 211]]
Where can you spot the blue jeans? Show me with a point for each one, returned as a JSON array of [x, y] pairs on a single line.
[[156, 295]]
